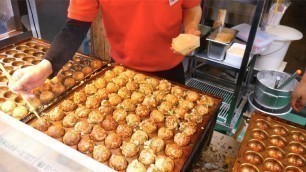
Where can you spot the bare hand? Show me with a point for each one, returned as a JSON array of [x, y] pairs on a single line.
[[26, 79], [298, 97]]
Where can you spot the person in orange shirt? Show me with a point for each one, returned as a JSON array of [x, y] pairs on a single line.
[[139, 32]]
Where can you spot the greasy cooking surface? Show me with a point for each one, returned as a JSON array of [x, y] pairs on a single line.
[[123, 115], [272, 144], [30, 52]]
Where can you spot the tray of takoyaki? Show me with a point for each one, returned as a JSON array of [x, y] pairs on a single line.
[[30, 52], [131, 121], [272, 144]]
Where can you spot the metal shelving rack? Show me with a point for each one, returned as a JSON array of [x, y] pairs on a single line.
[[233, 101]]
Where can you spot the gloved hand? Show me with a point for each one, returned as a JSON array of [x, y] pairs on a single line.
[[26, 79]]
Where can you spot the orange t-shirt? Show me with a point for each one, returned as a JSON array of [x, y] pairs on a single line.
[[139, 32]]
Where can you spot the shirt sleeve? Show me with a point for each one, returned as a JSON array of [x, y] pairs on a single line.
[[190, 3], [83, 10]]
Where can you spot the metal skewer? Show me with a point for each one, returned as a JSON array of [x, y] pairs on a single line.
[[298, 72], [32, 109]]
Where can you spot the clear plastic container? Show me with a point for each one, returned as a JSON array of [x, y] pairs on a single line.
[[262, 40], [235, 54]]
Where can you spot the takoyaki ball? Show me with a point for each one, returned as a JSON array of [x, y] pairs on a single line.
[[128, 73], [86, 145], [165, 133], [193, 118], [129, 149], [101, 153], [113, 141], [124, 93], [87, 70], [68, 105], [42, 124], [83, 127], [35, 102], [118, 162], [58, 78], [177, 91], [95, 117], [206, 100], [139, 137], [171, 122], [8, 106], [128, 105], [186, 104], [118, 69], [46, 96], [106, 108], [120, 81], [145, 89], [78, 76], [109, 75], [119, 114], [90, 89], [136, 166], [152, 82], [140, 78], [171, 99], [96, 64], [56, 114], [173, 151], [147, 156], [92, 102], [71, 138], [181, 139], [20, 112], [112, 87], [164, 85], [82, 112], [156, 144], [165, 107], [137, 97], [102, 94], [149, 101], [79, 97], [201, 110], [100, 83], [98, 134], [70, 120], [148, 126], [58, 88], [36, 92], [164, 164], [132, 85], [56, 131], [180, 112], [189, 128], [159, 96], [142, 110], [45, 87], [133, 120], [109, 123], [69, 82], [124, 130], [192, 96], [114, 99], [157, 116]]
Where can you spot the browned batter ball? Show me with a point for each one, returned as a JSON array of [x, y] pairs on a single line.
[[92, 102], [142, 110], [159, 96], [87, 70], [153, 82], [114, 99], [181, 139], [58, 88], [186, 104], [139, 137], [118, 162], [120, 81], [180, 112], [164, 163], [90, 89], [35, 102], [133, 120], [79, 97], [46, 96], [83, 127], [102, 94], [189, 128], [56, 131], [71, 138], [100, 83], [68, 105], [128, 105], [124, 93], [96, 64], [112, 87], [173, 151], [45, 87], [148, 126], [164, 85], [101, 153], [42, 124], [119, 114], [129, 149], [98, 134], [149, 101], [147, 156], [165, 107], [124, 130], [156, 144], [109, 123], [119, 69], [86, 145], [140, 78], [171, 122], [165, 133], [95, 117], [113, 141], [109, 75], [192, 96], [132, 85], [146, 89], [69, 82], [78, 76], [137, 97], [201, 110], [56, 114], [177, 91], [70, 120], [82, 112], [171, 99], [157, 116], [106, 108]]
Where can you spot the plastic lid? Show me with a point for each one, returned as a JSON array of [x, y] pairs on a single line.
[[284, 33]]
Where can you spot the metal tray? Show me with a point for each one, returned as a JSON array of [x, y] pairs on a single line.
[[200, 139], [30, 52], [272, 144]]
